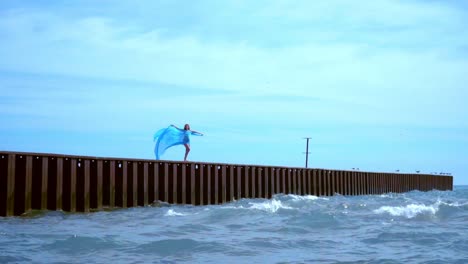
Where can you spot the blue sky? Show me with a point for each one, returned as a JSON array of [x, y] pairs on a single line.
[[378, 85]]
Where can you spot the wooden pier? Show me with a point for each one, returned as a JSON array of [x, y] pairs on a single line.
[[38, 181]]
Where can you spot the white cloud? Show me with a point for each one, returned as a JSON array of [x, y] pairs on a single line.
[[383, 63]]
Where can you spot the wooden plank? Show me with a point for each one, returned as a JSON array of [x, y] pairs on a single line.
[[201, 177], [266, 192], [73, 168], [375, 183], [239, 182], [254, 186], [314, 182], [304, 188], [272, 181], [124, 184], [259, 182], [193, 183], [247, 182], [283, 180], [331, 182], [209, 169], [231, 183], [216, 180], [340, 183], [10, 202], [184, 183], [99, 175], [355, 183], [278, 180], [350, 183], [45, 174], [86, 185], [28, 182], [299, 182], [366, 183], [320, 190], [166, 182], [223, 183], [337, 182], [156, 181], [359, 182], [59, 188], [134, 179], [325, 184], [112, 184], [382, 183], [347, 180], [294, 187], [174, 184], [145, 183]]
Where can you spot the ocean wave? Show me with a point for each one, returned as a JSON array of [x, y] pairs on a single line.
[[171, 212], [457, 204], [271, 206], [297, 198], [409, 211]]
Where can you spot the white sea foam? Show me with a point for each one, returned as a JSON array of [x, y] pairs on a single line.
[[232, 207], [171, 212], [296, 198], [271, 206], [410, 210], [456, 204], [303, 198]]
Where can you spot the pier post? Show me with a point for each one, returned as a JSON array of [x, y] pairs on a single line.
[[320, 191], [253, 186], [28, 182], [99, 183], [246, 177], [260, 174], [59, 187], [145, 186], [10, 186], [182, 186], [194, 182], [223, 184], [239, 185]]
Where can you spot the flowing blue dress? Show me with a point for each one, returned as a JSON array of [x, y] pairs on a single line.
[[169, 137]]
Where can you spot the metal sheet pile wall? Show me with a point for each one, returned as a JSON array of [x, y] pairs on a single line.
[[32, 181]]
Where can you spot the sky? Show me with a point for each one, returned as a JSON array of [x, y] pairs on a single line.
[[377, 85]]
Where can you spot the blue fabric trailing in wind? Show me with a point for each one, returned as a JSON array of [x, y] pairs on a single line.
[[169, 137]]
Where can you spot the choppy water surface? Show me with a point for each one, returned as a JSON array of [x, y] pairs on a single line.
[[416, 227]]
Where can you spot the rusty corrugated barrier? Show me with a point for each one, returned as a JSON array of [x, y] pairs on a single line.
[[37, 181]]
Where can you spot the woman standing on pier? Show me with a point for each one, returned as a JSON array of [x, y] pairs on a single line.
[[172, 136], [186, 139]]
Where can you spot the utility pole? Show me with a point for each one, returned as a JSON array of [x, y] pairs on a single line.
[[307, 152]]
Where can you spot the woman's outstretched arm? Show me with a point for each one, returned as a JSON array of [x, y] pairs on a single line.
[[176, 127], [193, 131]]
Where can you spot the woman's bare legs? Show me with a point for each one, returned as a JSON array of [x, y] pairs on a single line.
[[187, 150]]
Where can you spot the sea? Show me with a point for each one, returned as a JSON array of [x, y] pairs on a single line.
[[413, 227]]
